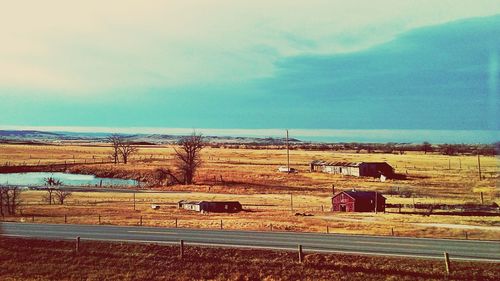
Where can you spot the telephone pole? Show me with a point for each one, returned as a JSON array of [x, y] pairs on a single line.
[[134, 200], [479, 166], [287, 153]]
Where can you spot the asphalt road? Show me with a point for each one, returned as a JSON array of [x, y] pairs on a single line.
[[331, 243]]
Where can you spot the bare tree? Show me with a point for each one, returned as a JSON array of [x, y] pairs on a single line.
[[9, 200], [426, 147], [62, 195], [115, 141], [1, 201], [52, 185], [188, 156], [162, 176], [126, 149]]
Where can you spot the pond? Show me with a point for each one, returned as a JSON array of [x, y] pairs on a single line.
[[37, 179]]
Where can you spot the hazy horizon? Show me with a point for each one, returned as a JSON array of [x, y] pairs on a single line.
[[314, 135]]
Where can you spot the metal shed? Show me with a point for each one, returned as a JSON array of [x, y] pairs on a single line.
[[357, 169], [211, 206]]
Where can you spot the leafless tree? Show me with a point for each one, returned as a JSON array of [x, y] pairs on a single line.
[[188, 156], [126, 148], [162, 176], [62, 195], [9, 200], [52, 185], [115, 141], [3, 200]]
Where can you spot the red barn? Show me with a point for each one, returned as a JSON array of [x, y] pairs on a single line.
[[358, 201]]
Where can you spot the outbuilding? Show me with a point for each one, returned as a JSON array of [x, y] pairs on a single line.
[[358, 201], [357, 169], [211, 206]]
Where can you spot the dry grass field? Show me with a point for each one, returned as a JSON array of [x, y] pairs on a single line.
[[251, 177], [26, 259]]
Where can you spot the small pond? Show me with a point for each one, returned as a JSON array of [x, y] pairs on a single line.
[[37, 179]]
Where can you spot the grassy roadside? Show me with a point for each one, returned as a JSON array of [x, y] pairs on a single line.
[[30, 259], [262, 212]]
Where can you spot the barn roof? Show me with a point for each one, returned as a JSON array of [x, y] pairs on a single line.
[[213, 202], [343, 164], [189, 202], [366, 195]]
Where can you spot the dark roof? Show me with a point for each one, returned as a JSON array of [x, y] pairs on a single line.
[[344, 164], [211, 202], [221, 202], [366, 195]]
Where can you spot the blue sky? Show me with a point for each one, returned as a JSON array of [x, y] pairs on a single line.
[[248, 64]]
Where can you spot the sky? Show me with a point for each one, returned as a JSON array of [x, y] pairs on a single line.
[[223, 64]]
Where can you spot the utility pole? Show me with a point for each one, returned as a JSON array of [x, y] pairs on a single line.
[[376, 203], [479, 166], [134, 200], [287, 153]]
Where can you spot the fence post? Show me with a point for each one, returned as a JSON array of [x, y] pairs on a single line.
[[77, 247], [447, 262], [181, 253], [301, 254], [99, 218], [220, 224], [466, 235], [140, 222], [392, 231], [176, 223], [271, 227]]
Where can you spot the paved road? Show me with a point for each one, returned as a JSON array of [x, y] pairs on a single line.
[[375, 245]]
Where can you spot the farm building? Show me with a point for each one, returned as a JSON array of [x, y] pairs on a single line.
[[211, 206], [358, 201], [357, 169]]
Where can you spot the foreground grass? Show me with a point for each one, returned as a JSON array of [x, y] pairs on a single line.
[[29, 259]]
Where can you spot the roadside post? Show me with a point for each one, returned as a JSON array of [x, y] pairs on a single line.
[[181, 250], [447, 262], [301, 254], [77, 247]]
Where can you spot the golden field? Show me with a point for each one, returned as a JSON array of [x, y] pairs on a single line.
[[30, 259], [251, 177]]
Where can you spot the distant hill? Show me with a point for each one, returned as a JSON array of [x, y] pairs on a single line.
[[31, 136]]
